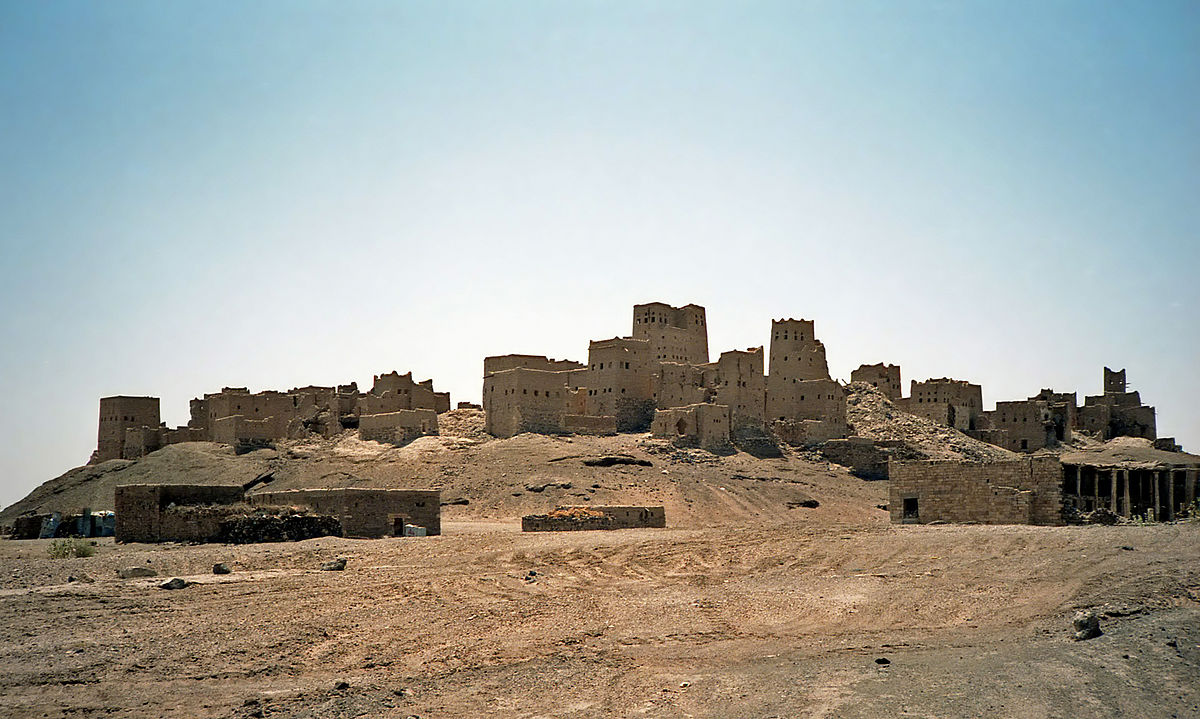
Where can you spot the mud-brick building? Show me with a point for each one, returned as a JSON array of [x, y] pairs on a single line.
[[952, 402], [1118, 412], [702, 425], [118, 414], [674, 334]]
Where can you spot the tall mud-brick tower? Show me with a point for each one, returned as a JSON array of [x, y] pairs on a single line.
[[796, 353], [118, 414], [676, 334]]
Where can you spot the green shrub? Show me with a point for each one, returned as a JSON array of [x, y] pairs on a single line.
[[70, 548]]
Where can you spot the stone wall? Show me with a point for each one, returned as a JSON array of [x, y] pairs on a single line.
[[1024, 491], [363, 512], [562, 519], [886, 378]]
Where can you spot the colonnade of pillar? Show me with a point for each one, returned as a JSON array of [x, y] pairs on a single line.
[[1155, 494]]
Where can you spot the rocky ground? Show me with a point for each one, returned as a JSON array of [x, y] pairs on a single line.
[[752, 603]]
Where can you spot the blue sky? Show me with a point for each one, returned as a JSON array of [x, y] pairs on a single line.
[[276, 194]]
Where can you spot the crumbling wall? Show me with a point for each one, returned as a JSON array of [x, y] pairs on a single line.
[[1027, 424], [885, 378], [140, 515], [703, 425], [397, 427], [1025, 491], [364, 512], [586, 424], [568, 519], [952, 402]]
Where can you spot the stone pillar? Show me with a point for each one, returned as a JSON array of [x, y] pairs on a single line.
[[1128, 509], [1189, 478], [1096, 491], [1112, 490], [1170, 494], [1154, 477]]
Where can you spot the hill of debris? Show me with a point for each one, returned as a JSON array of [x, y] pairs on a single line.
[[482, 477], [873, 416]]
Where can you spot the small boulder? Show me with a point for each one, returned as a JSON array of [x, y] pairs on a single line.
[[1087, 625], [135, 572], [222, 568], [175, 583], [334, 565]]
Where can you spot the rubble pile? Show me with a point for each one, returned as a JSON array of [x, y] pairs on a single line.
[[465, 423], [284, 526], [873, 416]]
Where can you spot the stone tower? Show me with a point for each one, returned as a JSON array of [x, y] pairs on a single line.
[[676, 334]]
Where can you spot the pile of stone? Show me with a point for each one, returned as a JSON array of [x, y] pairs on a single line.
[[873, 416], [286, 526]]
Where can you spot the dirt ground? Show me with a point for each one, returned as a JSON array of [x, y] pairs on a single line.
[[752, 603], [774, 619]]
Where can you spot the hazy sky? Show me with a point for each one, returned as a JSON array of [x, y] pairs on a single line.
[[274, 194]]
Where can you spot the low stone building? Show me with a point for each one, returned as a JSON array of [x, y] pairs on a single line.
[[364, 512], [579, 518], [1023, 491], [202, 513]]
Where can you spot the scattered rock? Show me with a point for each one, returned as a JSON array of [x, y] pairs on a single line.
[[547, 485], [1127, 548], [883, 661], [341, 686], [615, 459], [1087, 625], [134, 572], [175, 583], [221, 568], [334, 565], [806, 503], [456, 501]]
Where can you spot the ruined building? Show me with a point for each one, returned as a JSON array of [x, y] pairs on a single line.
[[660, 379], [952, 402], [397, 409], [1118, 412], [885, 378]]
